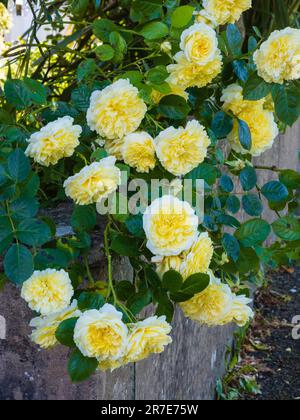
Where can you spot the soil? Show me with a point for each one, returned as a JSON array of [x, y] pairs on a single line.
[[270, 347]]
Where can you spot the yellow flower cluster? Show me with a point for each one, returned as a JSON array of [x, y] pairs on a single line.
[[225, 11], [94, 183], [45, 327], [199, 60], [278, 58], [138, 151], [171, 226], [196, 260], [183, 149], [103, 334], [48, 291], [218, 305], [55, 141], [260, 120], [116, 110]]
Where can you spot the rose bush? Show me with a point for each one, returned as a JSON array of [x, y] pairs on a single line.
[[159, 90]]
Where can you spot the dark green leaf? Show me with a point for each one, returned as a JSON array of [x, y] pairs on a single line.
[[65, 332], [248, 178], [254, 232], [124, 290], [172, 281], [222, 124], [33, 232], [17, 94], [174, 107], [226, 184], [18, 264], [231, 246], [80, 367], [84, 218], [275, 191], [90, 300], [256, 88], [252, 205], [287, 228], [124, 245], [18, 165], [245, 135], [235, 39], [287, 103]]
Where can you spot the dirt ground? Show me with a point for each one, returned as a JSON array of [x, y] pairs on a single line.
[[270, 347]]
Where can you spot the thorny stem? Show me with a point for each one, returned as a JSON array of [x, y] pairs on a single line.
[[89, 274]]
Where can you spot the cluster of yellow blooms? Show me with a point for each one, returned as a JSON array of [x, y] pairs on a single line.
[[171, 225], [98, 334], [171, 229], [256, 114], [199, 60]]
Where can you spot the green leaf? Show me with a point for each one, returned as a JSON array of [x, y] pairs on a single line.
[[105, 52], [287, 103], [235, 39], [245, 135], [275, 191], [252, 233], [65, 332], [24, 208], [241, 70], [165, 308], [125, 290], [18, 264], [233, 204], [231, 246], [102, 28], [84, 218], [90, 300], [174, 107], [204, 171], [79, 7], [182, 16], [33, 232], [81, 97], [226, 183], [80, 367], [38, 92], [17, 94], [125, 246], [222, 124], [154, 30], [6, 233], [252, 205], [51, 258], [152, 279], [195, 284], [248, 178], [18, 165], [287, 228], [139, 301], [86, 69], [290, 178], [172, 281], [134, 225], [157, 75], [256, 88]]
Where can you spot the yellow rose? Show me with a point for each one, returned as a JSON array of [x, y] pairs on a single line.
[[199, 44], [147, 337], [111, 365], [45, 327], [101, 334], [210, 307], [241, 312], [116, 110], [261, 122], [114, 148], [226, 11], [171, 226], [183, 149], [186, 74], [165, 264], [94, 182], [199, 257], [48, 291], [53, 142], [139, 151], [203, 17], [278, 58]]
